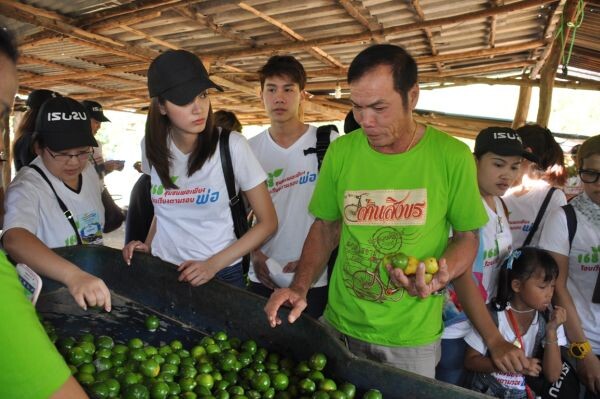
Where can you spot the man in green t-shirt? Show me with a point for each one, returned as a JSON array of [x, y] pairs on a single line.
[[30, 365], [397, 187]]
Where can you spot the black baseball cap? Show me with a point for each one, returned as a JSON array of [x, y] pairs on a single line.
[[36, 98], [95, 110], [63, 123], [178, 76], [501, 141]]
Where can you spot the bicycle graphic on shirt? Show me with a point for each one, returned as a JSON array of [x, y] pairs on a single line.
[[351, 210], [364, 272]]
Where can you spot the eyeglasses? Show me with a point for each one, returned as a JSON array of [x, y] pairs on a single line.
[[61, 157], [589, 176]]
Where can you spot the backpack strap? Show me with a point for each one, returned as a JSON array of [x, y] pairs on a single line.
[[506, 212], [62, 205], [323, 141], [236, 205], [539, 216], [571, 222]]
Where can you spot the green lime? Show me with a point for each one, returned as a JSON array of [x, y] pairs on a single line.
[[250, 346], [260, 355], [137, 354], [160, 390], [338, 395], [302, 369], [150, 368], [85, 378], [176, 345], [169, 368], [220, 336], [235, 390], [205, 380], [307, 385], [211, 349], [76, 356], [280, 381], [317, 361], [118, 359], [105, 342], [150, 350], [198, 351], [172, 358], [227, 361], [188, 395], [113, 387], [102, 364], [207, 341], [88, 368], [99, 390], [187, 384], [373, 394], [349, 389], [88, 347], [320, 395], [135, 343], [327, 385], [152, 323], [174, 388], [136, 391], [188, 361], [165, 350], [316, 375], [131, 378], [64, 344], [188, 371], [87, 337], [103, 352], [261, 382], [120, 348]]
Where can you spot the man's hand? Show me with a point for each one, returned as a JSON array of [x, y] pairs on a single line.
[[88, 290], [507, 357], [588, 370], [287, 297], [196, 272], [416, 285], [259, 261]]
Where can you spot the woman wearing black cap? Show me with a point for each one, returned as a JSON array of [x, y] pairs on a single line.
[[23, 153], [193, 226], [38, 199]]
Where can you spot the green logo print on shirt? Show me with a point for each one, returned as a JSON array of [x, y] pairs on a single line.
[[590, 257], [271, 177], [159, 189]]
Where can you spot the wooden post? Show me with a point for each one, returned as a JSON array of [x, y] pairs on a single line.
[[522, 105], [548, 71]]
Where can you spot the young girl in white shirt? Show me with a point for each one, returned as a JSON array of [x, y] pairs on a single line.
[[193, 225], [525, 290]]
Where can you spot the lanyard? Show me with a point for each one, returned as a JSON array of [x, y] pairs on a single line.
[[515, 327]]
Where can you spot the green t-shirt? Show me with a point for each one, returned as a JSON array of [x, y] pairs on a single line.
[[392, 203], [30, 365]]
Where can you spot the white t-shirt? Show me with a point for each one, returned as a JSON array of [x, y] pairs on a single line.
[[524, 209], [291, 180], [513, 380], [495, 241], [30, 204], [584, 264], [194, 221]]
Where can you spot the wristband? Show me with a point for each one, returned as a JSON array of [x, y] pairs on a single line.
[[579, 350]]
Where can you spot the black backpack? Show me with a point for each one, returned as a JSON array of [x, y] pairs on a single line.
[[323, 141]]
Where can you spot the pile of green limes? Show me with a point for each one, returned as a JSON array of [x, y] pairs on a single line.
[[217, 367]]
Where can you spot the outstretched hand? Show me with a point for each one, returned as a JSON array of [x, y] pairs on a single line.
[[416, 285], [88, 290], [285, 297]]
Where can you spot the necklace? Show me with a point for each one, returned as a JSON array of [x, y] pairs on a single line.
[[509, 306], [414, 134]]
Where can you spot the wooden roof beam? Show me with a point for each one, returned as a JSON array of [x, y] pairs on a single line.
[[361, 14], [457, 80], [150, 38], [209, 23], [492, 22], [95, 40], [361, 37], [427, 31], [289, 32], [480, 69], [484, 53], [548, 32]]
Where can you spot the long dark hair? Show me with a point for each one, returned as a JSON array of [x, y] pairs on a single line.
[[520, 265], [158, 153], [551, 157]]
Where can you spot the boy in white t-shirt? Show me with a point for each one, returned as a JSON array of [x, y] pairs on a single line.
[[292, 174]]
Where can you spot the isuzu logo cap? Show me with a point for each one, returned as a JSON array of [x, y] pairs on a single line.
[[63, 123]]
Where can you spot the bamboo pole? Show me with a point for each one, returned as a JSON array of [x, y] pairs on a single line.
[[548, 71], [522, 106]]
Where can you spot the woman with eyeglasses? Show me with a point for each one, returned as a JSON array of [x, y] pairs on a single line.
[[498, 154], [576, 248], [55, 202]]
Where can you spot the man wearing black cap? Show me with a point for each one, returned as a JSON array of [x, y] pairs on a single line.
[[96, 113]]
